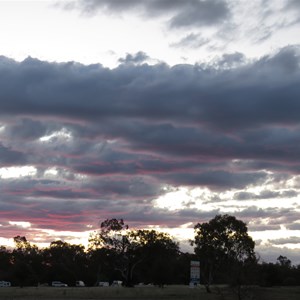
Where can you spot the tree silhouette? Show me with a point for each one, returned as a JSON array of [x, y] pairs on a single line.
[[126, 249], [223, 242]]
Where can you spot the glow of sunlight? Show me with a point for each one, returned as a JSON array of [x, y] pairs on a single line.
[[267, 236], [63, 134], [51, 172], [174, 200], [6, 242], [13, 172], [71, 237], [20, 224], [188, 198], [182, 234]]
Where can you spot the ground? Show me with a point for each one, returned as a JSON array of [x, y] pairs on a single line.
[[148, 293]]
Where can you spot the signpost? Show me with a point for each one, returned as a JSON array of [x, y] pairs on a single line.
[[195, 273]]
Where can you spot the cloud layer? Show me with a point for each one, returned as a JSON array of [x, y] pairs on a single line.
[[182, 13], [109, 142]]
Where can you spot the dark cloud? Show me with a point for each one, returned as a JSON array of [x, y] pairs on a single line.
[[26, 129], [155, 116], [216, 179], [185, 13], [201, 13], [137, 58], [284, 241], [181, 93], [231, 60], [265, 194], [108, 142], [10, 157]]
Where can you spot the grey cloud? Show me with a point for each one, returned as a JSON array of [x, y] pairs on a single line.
[[294, 226], [140, 92], [156, 110], [109, 187], [185, 13], [165, 218], [10, 157], [132, 166], [26, 129], [243, 196], [231, 60], [201, 13], [134, 129], [287, 59], [269, 253], [191, 41], [293, 4], [8, 230], [283, 241], [137, 58], [263, 227], [216, 179], [270, 215], [265, 194]]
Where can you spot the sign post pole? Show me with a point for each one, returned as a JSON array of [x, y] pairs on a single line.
[[195, 273]]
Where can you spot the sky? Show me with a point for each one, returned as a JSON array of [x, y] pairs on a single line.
[[162, 112]]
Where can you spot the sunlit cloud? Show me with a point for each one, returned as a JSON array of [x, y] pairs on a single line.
[[15, 172], [20, 224]]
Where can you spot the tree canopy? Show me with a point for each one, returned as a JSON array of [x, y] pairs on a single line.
[[129, 248], [117, 252], [222, 240]]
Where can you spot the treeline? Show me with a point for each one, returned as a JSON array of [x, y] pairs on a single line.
[[115, 252]]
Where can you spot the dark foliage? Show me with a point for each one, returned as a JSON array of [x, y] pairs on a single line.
[[222, 245]]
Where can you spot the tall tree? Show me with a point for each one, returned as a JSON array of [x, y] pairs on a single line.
[[114, 236], [26, 260], [65, 262], [223, 241], [5, 263], [129, 248], [157, 253]]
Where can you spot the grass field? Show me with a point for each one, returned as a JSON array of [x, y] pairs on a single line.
[[149, 293]]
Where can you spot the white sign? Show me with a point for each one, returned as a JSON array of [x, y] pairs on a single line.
[[195, 271]]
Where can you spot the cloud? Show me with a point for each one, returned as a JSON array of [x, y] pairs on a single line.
[[265, 194], [284, 241], [201, 13], [293, 5], [140, 92], [10, 157], [183, 13], [268, 253], [137, 58], [100, 120], [294, 226], [108, 142], [216, 179], [231, 60], [191, 40]]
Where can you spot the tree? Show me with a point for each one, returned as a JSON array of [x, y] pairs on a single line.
[[114, 236], [5, 263], [223, 242], [158, 255], [26, 261], [65, 262], [126, 249], [283, 261]]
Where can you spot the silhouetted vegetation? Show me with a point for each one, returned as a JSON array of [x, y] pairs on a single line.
[[115, 252]]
